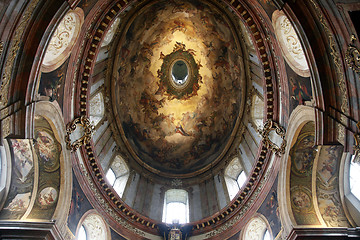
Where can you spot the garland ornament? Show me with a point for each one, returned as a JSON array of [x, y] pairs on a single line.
[[78, 133], [273, 136]]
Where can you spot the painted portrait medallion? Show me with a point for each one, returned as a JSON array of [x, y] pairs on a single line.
[[302, 154], [301, 199], [47, 148], [47, 196]]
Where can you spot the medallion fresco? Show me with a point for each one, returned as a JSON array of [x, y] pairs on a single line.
[[302, 155], [178, 130], [47, 196], [48, 149]]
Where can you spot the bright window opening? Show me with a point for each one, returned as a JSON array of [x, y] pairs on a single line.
[[176, 206], [97, 109], [110, 175], [82, 233], [118, 175], [235, 177], [267, 235], [241, 179], [354, 179]]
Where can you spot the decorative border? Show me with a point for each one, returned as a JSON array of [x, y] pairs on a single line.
[[351, 54], [14, 50], [336, 58], [357, 145]]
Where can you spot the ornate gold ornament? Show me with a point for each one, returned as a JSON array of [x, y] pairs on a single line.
[[78, 133], [352, 55], [1, 47], [336, 57], [175, 234], [357, 145], [274, 137]]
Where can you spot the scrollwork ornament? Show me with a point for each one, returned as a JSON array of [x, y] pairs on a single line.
[[357, 145], [352, 56], [1, 47], [88, 130], [270, 126]]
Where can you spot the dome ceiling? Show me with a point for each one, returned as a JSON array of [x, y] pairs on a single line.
[[176, 85]]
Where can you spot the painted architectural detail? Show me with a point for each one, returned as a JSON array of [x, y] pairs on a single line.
[[63, 40], [95, 227], [290, 44], [62, 36], [255, 229]]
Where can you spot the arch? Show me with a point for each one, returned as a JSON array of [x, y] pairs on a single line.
[[298, 118], [5, 173], [256, 229], [52, 113], [349, 200], [95, 226]]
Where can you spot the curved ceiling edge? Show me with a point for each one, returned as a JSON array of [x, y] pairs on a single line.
[[97, 175]]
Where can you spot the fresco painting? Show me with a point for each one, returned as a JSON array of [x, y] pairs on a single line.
[[52, 83], [22, 179], [20, 203], [299, 88], [327, 186], [301, 199], [270, 209], [23, 157], [48, 149], [302, 155], [49, 153], [79, 206], [172, 131], [47, 196]]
